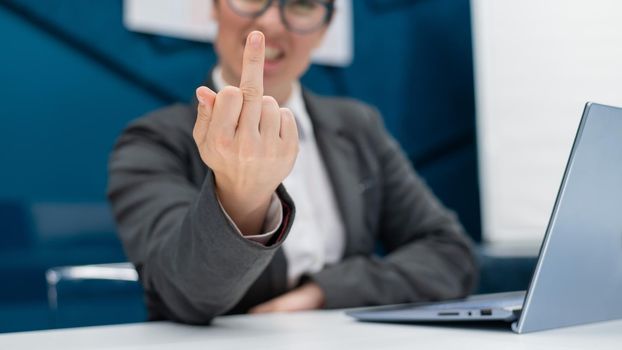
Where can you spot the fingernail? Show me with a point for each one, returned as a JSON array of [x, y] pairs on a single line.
[[199, 97], [255, 39]]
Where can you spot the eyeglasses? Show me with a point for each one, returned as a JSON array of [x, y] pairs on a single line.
[[300, 16]]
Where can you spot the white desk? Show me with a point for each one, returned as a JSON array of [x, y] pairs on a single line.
[[311, 330]]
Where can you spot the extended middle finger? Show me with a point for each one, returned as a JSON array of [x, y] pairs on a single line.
[[251, 82]]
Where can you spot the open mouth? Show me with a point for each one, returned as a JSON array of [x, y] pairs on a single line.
[[274, 53]]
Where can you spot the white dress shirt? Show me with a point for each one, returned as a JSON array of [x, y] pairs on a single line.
[[317, 236]]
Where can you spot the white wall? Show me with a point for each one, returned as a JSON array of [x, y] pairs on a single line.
[[536, 63], [192, 19]]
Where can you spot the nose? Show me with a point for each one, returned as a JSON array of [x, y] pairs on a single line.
[[270, 21]]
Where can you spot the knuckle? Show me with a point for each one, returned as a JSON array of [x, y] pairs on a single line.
[[267, 117], [248, 154], [272, 150], [290, 147], [230, 92], [221, 141], [202, 115], [288, 121], [196, 134], [269, 100], [250, 91], [254, 58], [269, 107], [286, 112]]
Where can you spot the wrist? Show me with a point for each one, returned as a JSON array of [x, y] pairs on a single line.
[[239, 193], [247, 210]]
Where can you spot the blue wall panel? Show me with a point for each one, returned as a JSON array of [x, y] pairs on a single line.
[[61, 113]]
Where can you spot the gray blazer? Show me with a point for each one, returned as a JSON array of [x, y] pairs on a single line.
[[194, 266]]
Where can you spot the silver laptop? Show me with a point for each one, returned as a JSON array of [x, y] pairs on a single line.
[[578, 277]]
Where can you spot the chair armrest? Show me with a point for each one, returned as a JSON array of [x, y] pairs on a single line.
[[94, 295]]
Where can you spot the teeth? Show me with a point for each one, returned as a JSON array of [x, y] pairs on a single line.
[[272, 53]]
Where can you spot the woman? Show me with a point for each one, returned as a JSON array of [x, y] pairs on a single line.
[[199, 192]]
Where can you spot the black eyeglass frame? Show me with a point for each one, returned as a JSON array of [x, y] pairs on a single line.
[[330, 10]]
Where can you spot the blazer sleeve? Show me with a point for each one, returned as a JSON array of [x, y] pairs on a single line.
[[429, 256], [192, 262]]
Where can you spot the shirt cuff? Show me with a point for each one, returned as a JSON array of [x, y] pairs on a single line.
[[274, 219]]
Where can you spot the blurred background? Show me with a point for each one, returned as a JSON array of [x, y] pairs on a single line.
[[75, 72]]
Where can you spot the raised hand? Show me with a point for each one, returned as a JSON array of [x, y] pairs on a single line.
[[248, 141]]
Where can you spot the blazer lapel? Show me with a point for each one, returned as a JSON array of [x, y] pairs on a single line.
[[340, 156]]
